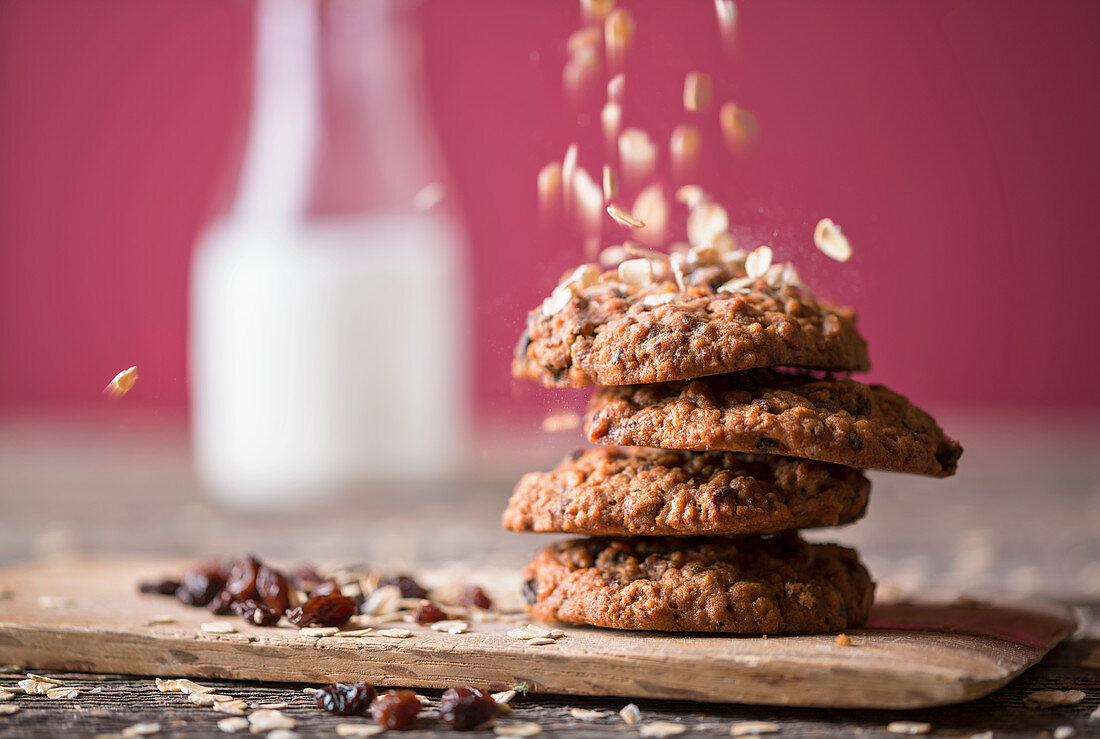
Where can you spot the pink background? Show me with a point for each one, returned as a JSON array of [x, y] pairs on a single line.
[[956, 142]]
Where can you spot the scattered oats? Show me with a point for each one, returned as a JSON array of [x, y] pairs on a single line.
[[705, 222], [1064, 732], [382, 601], [611, 120], [233, 725], [582, 40], [585, 714], [461, 627], [62, 693], [596, 10], [282, 734], [662, 728], [691, 195], [357, 632], [656, 299], [616, 86], [141, 729], [557, 301], [167, 686], [651, 209], [201, 699], [189, 686], [43, 679], [588, 197], [618, 32], [727, 20], [624, 218], [55, 602], [754, 728], [8, 709], [1051, 698], [156, 620], [685, 146], [30, 687], [831, 241], [311, 691], [637, 155], [268, 720], [504, 697], [843, 640], [395, 633], [218, 627], [122, 384], [359, 729], [556, 634], [610, 182], [698, 91], [737, 285], [524, 729], [738, 125], [549, 186], [568, 169], [636, 271], [582, 277], [539, 641], [429, 196], [758, 262], [612, 256], [6, 696], [908, 727], [630, 713], [234, 707], [319, 631]]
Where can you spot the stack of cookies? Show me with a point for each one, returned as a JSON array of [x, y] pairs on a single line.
[[726, 432]]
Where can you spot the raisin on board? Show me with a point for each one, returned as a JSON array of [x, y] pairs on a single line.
[[323, 610], [274, 589], [428, 613], [256, 612], [466, 708], [475, 596], [201, 583], [345, 699], [242, 578], [222, 603], [164, 587], [395, 709], [409, 588]]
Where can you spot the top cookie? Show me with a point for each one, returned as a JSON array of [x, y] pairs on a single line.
[[791, 414], [598, 330]]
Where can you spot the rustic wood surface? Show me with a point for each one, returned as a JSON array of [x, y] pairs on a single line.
[[1019, 520], [910, 655]]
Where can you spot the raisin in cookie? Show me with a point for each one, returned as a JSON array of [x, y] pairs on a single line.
[[830, 420], [600, 331], [736, 585], [621, 492]]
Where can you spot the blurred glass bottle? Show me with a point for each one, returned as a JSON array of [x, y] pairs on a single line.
[[328, 305]]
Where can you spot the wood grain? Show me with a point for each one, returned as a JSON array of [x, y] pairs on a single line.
[[910, 656]]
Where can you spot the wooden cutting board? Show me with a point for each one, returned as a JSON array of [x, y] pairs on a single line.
[[909, 656]]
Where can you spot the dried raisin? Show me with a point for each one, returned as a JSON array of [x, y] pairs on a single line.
[[466, 708], [345, 699], [531, 591], [242, 578], [428, 613], [222, 603], [409, 588], [164, 587], [395, 709], [201, 583], [257, 612], [323, 610], [274, 588], [475, 596]]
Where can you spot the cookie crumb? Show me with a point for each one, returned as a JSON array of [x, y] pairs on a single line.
[[843, 640]]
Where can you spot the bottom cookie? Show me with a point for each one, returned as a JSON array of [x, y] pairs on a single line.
[[733, 585]]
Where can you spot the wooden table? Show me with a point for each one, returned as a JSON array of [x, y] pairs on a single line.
[[1019, 520]]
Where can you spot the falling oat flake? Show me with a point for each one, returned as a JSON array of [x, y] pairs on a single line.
[[122, 383]]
